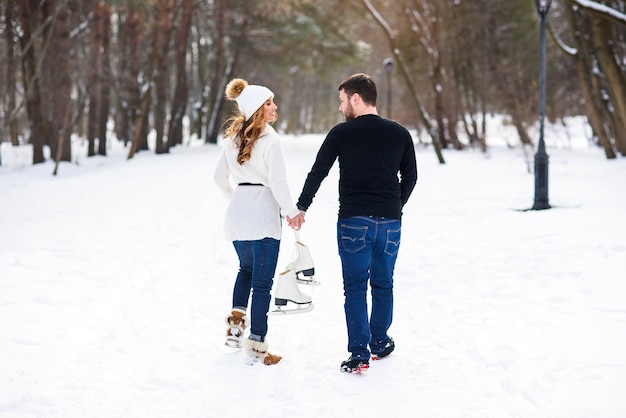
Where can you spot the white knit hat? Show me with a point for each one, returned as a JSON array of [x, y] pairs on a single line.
[[249, 97]]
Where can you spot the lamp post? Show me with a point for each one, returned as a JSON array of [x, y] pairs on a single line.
[[541, 157], [388, 62]]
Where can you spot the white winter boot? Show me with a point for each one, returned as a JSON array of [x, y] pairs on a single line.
[[237, 323], [257, 350]]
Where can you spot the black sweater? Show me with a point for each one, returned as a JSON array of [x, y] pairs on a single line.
[[377, 167]]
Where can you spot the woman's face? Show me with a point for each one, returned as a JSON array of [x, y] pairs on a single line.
[[269, 111]]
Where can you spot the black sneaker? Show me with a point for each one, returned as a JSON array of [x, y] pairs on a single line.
[[387, 349], [355, 365]]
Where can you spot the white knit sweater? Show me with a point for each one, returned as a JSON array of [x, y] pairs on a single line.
[[254, 211]]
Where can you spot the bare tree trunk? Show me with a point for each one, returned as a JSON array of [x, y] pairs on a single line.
[[201, 74], [436, 81], [95, 78], [11, 121], [129, 95], [614, 79], [589, 84], [218, 106], [105, 82], [445, 117], [120, 112], [517, 112], [65, 128], [212, 130], [598, 116], [406, 73], [60, 78], [469, 89], [181, 95], [30, 74], [140, 131], [135, 142], [163, 29]]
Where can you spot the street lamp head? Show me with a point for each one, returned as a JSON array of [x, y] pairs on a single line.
[[388, 62], [543, 6]]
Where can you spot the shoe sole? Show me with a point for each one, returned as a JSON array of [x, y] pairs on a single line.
[[382, 355], [361, 368], [376, 357]]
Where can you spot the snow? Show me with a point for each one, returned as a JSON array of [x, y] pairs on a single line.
[[115, 281], [602, 9]]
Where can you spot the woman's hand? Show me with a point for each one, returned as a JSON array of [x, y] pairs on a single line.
[[297, 221]]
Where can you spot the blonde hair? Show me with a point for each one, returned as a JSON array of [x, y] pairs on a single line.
[[245, 133]]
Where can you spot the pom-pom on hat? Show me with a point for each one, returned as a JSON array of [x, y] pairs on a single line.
[[249, 97]]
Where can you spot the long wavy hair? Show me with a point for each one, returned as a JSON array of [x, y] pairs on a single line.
[[245, 133]]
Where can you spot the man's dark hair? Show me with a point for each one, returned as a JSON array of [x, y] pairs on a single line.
[[362, 84]]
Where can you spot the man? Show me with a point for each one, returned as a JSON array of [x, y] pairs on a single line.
[[377, 173]]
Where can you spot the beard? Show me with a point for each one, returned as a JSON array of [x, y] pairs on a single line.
[[349, 113]]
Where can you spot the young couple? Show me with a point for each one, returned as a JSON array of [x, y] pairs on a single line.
[[377, 173]]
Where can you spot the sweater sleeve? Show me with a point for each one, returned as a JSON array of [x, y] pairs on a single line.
[[221, 176], [325, 159], [277, 176], [408, 170]]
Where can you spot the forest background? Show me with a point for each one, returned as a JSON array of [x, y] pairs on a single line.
[[122, 70]]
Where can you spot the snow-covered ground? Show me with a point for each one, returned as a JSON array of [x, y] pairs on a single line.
[[115, 281]]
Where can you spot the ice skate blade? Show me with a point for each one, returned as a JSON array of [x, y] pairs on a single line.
[[227, 349], [233, 344], [300, 309], [308, 282]]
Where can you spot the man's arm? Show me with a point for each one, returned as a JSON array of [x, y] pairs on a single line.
[[408, 171], [325, 159]]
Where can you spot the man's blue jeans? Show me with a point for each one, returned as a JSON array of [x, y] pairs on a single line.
[[368, 247], [257, 266]]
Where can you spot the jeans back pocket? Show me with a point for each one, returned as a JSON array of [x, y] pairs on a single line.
[[393, 241], [353, 238]]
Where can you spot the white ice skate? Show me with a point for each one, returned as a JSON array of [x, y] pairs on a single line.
[[286, 291], [303, 265]]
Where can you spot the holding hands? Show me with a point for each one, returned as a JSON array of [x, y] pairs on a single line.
[[297, 221]]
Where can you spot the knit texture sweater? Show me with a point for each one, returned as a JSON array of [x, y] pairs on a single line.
[[254, 211], [377, 167]]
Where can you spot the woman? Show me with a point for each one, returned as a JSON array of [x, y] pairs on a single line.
[[253, 158]]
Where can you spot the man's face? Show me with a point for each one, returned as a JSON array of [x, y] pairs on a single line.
[[345, 106]]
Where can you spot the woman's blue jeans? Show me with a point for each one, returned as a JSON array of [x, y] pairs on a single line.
[[368, 248], [257, 266]]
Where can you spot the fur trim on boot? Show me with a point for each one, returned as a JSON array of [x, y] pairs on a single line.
[[237, 323], [258, 351]]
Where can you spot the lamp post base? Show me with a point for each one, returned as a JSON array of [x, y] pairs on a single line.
[[541, 205], [541, 181]]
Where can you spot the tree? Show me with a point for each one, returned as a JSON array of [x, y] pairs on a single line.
[[149, 65], [105, 75], [407, 74], [10, 80], [99, 84], [163, 34], [130, 37], [600, 75], [181, 94], [59, 80], [31, 72]]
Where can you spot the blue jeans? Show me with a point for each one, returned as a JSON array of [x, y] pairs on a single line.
[[368, 248], [257, 266]]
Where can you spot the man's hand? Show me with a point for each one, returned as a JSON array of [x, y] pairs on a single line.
[[297, 221]]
